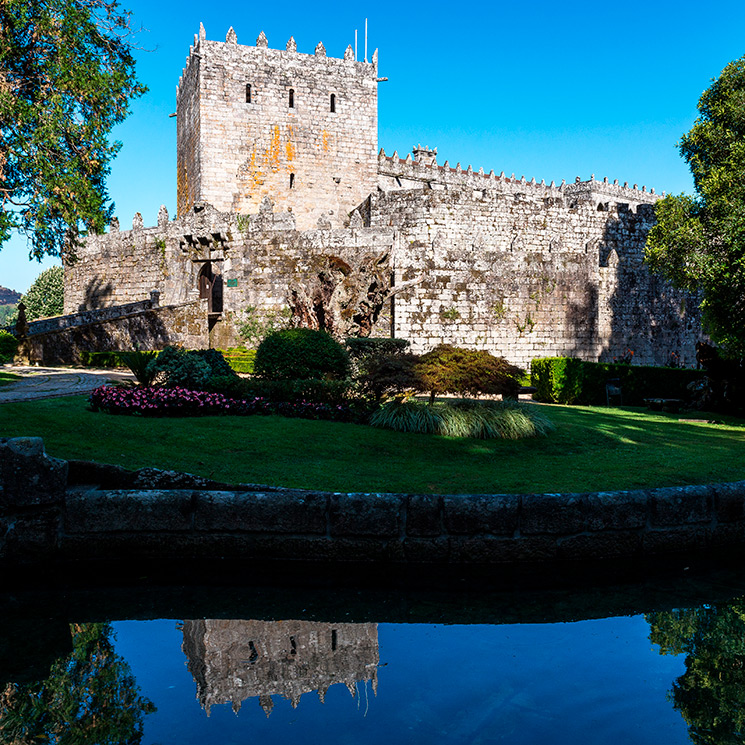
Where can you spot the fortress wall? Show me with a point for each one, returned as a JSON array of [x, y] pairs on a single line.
[[317, 162], [527, 276]]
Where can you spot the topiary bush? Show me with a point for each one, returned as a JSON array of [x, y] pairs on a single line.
[[298, 354], [448, 369], [8, 347]]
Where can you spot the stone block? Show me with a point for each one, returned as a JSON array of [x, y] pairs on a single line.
[[118, 511], [423, 515], [686, 540], [288, 511], [366, 514], [616, 510], [553, 514], [599, 546], [473, 514], [683, 505], [427, 550], [729, 502], [28, 476], [366, 549]]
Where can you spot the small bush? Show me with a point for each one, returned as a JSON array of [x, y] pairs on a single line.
[[139, 364], [175, 367], [388, 375], [448, 369], [296, 354], [566, 380], [8, 347], [507, 420], [361, 348], [219, 366]]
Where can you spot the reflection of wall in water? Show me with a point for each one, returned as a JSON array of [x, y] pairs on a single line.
[[233, 660]]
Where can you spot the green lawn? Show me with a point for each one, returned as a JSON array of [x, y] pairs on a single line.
[[592, 449]]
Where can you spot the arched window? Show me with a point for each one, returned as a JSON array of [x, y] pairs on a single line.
[[292, 181], [292, 98], [248, 92], [333, 103]]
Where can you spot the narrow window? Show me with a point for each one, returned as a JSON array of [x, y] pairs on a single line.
[[292, 181], [292, 98], [333, 640], [333, 103], [248, 92]]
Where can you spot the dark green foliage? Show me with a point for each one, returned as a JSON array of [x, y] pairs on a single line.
[[567, 380], [45, 297], [139, 364], [297, 354], [67, 75], [448, 369], [485, 420], [290, 391], [7, 314], [240, 359], [361, 348], [218, 365], [8, 347], [105, 360], [89, 698], [699, 241], [175, 367], [388, 375]]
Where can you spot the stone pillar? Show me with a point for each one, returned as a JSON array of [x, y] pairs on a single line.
[[32, 495]]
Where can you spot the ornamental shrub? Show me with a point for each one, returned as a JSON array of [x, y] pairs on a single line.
[[175, 367], [566, 380], [448, 369], [299, 354], [45, 297], [8, 347]]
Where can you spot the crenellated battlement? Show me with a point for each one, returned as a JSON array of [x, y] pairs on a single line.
[[422, 169]]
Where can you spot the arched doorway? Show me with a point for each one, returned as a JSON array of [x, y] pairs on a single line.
[[210, 287]]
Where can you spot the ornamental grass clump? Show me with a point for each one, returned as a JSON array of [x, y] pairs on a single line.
[[507, 420]]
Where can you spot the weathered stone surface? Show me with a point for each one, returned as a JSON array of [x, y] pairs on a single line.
[[28, 476], [615, 510], [427, 550], [283, 512], [682, 505], [555, 514], [365, 514], [122, 511], [675, 540], [423, 515], [729, 502], [474, 514], [609, 545]]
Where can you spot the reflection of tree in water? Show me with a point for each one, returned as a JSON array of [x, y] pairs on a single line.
[[711, 693], [89, 698]]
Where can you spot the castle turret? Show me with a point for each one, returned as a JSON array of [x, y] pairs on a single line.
[[255, 122]]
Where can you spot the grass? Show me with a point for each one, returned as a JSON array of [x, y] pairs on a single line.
[[593, 448], [6, 377]]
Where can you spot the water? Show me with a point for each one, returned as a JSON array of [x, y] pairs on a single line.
[[672, 674]]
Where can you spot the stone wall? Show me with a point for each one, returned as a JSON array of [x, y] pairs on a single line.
[[169, 516], [154, 328], [529, 271], [256, 122]]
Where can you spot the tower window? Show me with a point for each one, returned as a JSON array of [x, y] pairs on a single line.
[[292, 181], [292, 98], [333, 103], [248, 92]]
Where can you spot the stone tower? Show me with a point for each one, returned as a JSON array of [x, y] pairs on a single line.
[[299, 128]]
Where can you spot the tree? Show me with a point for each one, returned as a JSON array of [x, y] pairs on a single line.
[[66, 78], [45, 297], [699, 241]]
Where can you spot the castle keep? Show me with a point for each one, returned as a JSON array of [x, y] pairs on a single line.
[[285, 205]]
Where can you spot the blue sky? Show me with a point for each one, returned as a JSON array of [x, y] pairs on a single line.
[[543, 89]]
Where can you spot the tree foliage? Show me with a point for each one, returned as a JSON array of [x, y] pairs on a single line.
[[699, 241], [45, 297], [89, 698], [66, 78]]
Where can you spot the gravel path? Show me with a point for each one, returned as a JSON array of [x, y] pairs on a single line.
[[50, 382]]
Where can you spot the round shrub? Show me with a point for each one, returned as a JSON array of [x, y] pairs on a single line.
[[8, 347], [175, 367], [299, 354]]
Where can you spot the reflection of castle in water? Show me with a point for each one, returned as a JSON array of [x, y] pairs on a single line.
[[233, 660]]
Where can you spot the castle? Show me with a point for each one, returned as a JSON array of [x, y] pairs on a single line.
[[286, 206]]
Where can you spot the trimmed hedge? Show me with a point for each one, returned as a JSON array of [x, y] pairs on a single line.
[[8, 347], [105, 360], [300, 353], [240, 359], [567, 380]]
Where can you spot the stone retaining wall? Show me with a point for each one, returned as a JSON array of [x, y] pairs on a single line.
[[162, 515]]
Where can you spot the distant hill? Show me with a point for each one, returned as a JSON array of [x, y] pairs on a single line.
[[8, 297]]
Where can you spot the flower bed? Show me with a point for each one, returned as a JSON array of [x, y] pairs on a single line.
[[160, 401]]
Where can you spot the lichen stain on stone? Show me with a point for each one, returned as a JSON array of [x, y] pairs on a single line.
[[290, 148], [273, 156], [325, 141]]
